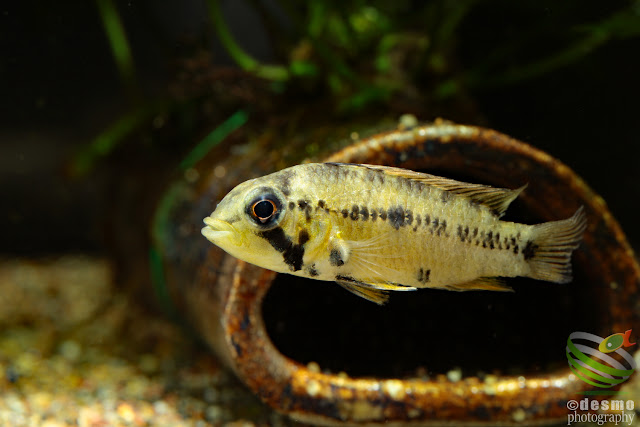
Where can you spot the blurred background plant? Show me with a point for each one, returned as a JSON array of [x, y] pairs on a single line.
[[362, 54], [133, 86]]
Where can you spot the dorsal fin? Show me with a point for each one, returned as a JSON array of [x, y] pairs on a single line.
[[496, 199]]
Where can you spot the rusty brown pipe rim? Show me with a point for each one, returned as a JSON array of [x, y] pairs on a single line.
[[238, 333]]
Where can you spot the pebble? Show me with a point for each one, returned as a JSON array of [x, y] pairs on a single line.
[[454, 375], [70, 350], [313, 367], [214, 413], [519, 415]]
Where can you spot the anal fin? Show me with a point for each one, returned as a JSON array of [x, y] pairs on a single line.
[[482, 284]]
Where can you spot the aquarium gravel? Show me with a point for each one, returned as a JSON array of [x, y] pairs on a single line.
[[76, 350]]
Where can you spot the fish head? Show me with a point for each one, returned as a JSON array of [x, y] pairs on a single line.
[[244, 220]]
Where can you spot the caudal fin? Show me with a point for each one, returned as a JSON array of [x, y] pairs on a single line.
[[549, 251]]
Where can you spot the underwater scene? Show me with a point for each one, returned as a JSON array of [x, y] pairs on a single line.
[[281, 213]]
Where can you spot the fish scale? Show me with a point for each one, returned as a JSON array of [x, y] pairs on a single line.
[[373, 229], [432, 245]]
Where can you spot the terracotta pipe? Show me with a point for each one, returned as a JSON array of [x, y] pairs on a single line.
[[428, 357]]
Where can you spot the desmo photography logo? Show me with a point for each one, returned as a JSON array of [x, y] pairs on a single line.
[[614, 412], [603, 365]]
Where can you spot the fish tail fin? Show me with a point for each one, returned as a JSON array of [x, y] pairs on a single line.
[[549, 251]]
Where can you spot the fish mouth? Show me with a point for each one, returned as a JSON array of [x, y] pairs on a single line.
[[216, 229]]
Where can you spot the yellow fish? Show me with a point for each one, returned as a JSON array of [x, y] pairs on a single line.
[[374, 229]]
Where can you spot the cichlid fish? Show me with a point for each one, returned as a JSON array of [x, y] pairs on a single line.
[[374, 229]]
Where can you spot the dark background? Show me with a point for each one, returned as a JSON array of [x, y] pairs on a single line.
[[59, 88]]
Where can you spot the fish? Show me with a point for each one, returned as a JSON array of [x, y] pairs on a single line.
[[374, 229]]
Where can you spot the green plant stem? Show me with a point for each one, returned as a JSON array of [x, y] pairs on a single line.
[[216, 136], [243, 59], [108, 140], [119, 44]]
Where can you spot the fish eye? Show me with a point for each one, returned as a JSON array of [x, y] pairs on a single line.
[[264, 210]]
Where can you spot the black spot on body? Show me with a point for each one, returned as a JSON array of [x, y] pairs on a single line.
[[321, 204], [409, 217], [335, 258], [418, 222], [292, 205], [285, 183], [489, 240], [305, 206], [355, 211], [446, 196], [345, 213], [364, 212], [293, 257], [383, 215], [313, 272], [303, 237], [463, 234], [529, 250], [374, 215], [434, 225], [276, 237], [291, 253], [396, 217], [424, 276], [443, 227]]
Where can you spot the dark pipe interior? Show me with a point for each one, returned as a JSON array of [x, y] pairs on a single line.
[[433, 331]]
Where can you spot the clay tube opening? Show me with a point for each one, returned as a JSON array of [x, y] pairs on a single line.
[[430, 332]]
